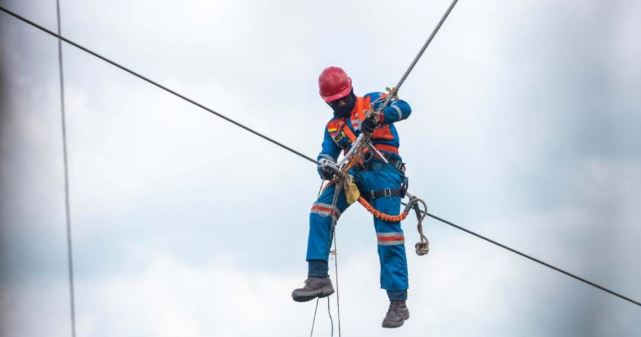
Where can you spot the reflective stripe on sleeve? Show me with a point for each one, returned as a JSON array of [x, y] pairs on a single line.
[[326, 156], [400, 113]]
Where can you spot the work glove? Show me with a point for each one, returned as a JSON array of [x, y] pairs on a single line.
[[325, 172], [370, 123], [326, 169]]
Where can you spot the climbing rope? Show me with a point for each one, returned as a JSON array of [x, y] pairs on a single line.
[[332, 238], [329, 313], [337, 190], [311, 333]]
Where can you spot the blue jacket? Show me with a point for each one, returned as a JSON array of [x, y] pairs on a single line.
[[340, 132]]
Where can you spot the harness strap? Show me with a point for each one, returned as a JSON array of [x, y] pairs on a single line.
[[374, 164], [348, 132], [385, 193]]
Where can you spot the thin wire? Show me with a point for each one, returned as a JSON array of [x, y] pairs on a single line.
[[311, 333], [337, 191], [158, 85], [338, 299], [63, 115], [329, 312], [320, 189], [298, 153]]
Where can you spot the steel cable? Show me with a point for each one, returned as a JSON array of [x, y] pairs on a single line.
[[531, 258]]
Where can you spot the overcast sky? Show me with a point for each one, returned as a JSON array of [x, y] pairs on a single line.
[[526, 128]]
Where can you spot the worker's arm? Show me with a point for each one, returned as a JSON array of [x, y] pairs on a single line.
[[397, 110]]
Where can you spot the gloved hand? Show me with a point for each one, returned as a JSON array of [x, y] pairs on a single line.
[[369, 124], [325, 172], [326, 169]]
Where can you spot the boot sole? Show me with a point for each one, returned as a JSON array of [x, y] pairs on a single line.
[[323, 292], [400, 324]]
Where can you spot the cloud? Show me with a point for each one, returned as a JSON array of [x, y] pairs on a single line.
[[170, 299], [48, 301], [523, 129]]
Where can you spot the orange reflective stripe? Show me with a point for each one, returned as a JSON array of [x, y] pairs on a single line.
[[383, 132], [386, 148], [348, 132], [334, 124], [358, 114]]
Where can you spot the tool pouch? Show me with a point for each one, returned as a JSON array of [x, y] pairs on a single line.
[[351, 190]]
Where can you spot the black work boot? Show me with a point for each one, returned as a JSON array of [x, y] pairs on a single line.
[[396, 314], [314, 287]]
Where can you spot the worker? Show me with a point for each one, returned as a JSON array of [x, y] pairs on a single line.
[[379, 183]]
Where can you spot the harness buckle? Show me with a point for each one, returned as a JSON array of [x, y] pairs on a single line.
[[387, 192]]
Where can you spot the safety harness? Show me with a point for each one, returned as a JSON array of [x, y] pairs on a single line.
[[359, 151]]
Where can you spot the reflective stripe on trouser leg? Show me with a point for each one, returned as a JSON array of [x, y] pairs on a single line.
[[320, 223], [391, 246]]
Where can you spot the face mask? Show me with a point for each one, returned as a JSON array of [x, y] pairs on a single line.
[[342, 107]]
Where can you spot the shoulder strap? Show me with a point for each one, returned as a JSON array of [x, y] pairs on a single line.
[[348, 132]]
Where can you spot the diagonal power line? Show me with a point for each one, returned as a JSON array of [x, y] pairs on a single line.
[[531, 258], [154, 83]]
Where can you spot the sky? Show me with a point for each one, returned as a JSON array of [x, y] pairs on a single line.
[[526, 128]]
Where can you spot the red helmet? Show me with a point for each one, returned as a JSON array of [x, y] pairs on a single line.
[[334, 84]]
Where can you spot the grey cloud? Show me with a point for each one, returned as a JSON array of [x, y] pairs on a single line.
[[524, 129]]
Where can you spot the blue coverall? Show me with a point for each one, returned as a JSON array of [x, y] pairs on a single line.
[[372, 176]]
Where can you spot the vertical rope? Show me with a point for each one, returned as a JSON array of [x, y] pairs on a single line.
[[311, 333], [332, 238], [329, 313], [72, 301], [338, 301], [337, 191]]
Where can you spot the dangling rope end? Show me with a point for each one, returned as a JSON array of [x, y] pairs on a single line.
[[423, 247]]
